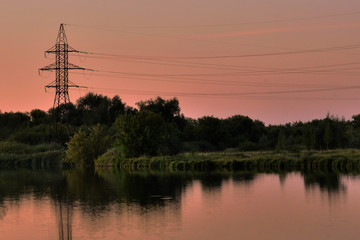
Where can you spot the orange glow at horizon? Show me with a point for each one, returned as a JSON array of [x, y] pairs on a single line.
[[170, 34]]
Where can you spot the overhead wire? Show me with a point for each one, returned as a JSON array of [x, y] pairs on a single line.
[[213, 66], [303, 51], [333, 15], [232, 74], [213, 82], [178, 61], [238, 95]]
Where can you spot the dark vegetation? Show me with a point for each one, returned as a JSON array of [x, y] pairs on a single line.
[[109, 132]]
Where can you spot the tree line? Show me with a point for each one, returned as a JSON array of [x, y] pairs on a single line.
[[157, 127]]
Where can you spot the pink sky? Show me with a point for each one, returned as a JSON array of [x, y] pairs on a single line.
[[178, 30]]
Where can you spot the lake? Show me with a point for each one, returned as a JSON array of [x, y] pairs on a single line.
[[119, 204]]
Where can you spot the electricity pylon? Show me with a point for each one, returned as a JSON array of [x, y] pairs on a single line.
[[61, 66]]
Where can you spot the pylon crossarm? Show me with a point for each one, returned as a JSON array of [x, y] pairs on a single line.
[[49, 67], [71, 49], [50, 50], [54, 49], [57, 51], [73, 66]]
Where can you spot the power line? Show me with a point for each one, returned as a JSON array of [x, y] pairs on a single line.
[[232, 70], [234, 94], [213, 82], [213, 66], [224, 74], [262, 71], [304, 51], [114, 28], [245, 97]]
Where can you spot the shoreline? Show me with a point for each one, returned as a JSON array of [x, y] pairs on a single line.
[[342, 160], [339, 160]]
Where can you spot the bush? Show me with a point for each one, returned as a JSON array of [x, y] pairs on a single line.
[[248, 146], [109, 158], [146, 133], [84, 148], [14, 148], [198, 146]]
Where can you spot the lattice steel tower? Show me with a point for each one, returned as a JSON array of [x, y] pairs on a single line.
[[61, 67]]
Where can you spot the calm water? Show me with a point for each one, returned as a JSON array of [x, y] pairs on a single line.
[[111, 204]]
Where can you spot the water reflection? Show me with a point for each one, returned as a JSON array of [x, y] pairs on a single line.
[[64, 220], [3, 210], [116, 191], [329, 182]]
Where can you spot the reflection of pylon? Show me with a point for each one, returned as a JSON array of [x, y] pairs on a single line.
[[64, 220], [62, 67]]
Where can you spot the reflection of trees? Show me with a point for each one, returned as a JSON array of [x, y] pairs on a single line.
[[282, 177], [3, 210], [16, 183], [103, 190], [96, 192], [245, 177], [326, 181], [214, 181], [147, 189]]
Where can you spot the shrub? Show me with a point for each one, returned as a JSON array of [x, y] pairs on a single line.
[[14, 148], [84, 148], [146, 133]]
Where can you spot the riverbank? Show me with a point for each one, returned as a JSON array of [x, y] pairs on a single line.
[[19, 155], [343, 160]]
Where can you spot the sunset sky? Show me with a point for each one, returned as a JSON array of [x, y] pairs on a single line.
[[277, 61]]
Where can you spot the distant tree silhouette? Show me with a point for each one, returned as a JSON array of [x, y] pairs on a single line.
[[146, 133]]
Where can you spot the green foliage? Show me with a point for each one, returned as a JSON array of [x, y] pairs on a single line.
[[281, 141], [211, 130], [169, 109], [159, 128], [10, 122], [146, 133], [96, 108], [197, 146], [38, 116], [341, 160], [14, 154], [43, 133], [248, 146], [327, 135], [84, 148], [109, 158], [65, 114], [308, 137], [14, 147]]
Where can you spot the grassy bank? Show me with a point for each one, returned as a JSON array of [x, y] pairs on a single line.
[[337, 160], [19, 155]]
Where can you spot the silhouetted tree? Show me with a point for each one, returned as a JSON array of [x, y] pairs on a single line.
[[38, 116], [94, 108], [327, 134], [281, 140], [65, 113], [169, 109], [212, 131], [146, 133]]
